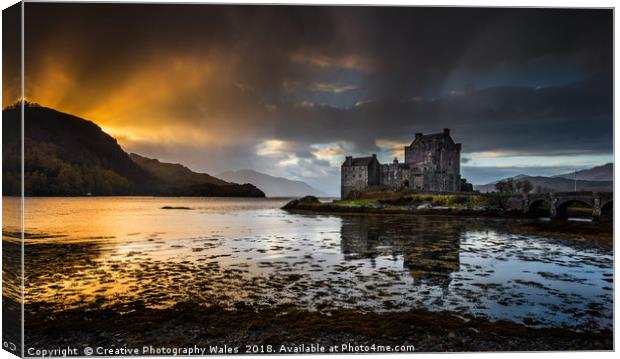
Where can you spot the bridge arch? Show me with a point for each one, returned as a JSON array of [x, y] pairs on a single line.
[[562, 208], [539, 208], [595, 205]]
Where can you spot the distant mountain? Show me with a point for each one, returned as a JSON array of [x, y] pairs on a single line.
[[555, 184], [69, 156], [599, 173], [272, 186]]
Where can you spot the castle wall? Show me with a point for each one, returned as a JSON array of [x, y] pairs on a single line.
[[414, 156], [374, 173], [395, 175], [440, 182], [434, 153], [398, 176], [419, 180], [359, 178], [353, 178], [438, 160]]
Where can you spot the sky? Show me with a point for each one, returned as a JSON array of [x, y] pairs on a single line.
[[291, 90]]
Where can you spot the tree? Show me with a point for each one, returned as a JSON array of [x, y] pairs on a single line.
[[524, 186], [505, 186], [500, 186]]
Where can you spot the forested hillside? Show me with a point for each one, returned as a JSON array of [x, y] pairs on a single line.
[[65, 155]]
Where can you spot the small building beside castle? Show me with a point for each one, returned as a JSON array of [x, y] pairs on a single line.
[[432, 164]]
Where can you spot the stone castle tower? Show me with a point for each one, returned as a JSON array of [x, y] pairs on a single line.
[[432, 164]]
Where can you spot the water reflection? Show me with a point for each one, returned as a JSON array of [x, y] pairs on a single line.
[[429, 250], [88, 252]]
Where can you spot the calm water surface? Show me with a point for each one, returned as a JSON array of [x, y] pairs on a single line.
[[82, 251]]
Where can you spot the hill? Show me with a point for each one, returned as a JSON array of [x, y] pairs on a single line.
[[271, 185], [555, 184], [65, 155], [182, 181], [599, 173], [174, 172]]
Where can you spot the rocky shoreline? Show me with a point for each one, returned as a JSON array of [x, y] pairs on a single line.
[[189, 324]]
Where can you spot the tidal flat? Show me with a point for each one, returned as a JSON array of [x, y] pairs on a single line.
[[245, 271]]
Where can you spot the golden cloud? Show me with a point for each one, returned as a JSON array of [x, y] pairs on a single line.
[[166, 100], [272, 148], [332, 87], [395, 147]]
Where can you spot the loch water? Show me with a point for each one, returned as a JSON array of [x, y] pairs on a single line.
[[225, 251]]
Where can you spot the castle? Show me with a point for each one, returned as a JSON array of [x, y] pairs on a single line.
[[432, 164]]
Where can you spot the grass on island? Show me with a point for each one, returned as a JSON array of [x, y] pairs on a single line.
[[577, 210], [357, 202], [435, 200]]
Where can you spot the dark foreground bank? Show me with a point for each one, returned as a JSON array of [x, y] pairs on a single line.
[[188, 324]]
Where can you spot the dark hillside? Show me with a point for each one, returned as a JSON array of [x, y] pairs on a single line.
[[69, 156], [174, 172], [179, 180]]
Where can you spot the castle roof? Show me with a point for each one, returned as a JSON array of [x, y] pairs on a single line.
[[361, 161], [433, 137]]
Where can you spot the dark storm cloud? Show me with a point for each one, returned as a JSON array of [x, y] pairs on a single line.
[[572, 119], [281, 87], [404, 50]]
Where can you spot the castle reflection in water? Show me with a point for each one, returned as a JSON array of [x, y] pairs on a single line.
[[429, 249]]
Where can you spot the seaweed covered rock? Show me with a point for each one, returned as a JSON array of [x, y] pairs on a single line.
[[304, 202]]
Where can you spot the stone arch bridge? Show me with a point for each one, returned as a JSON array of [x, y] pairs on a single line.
[[555, 204]]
